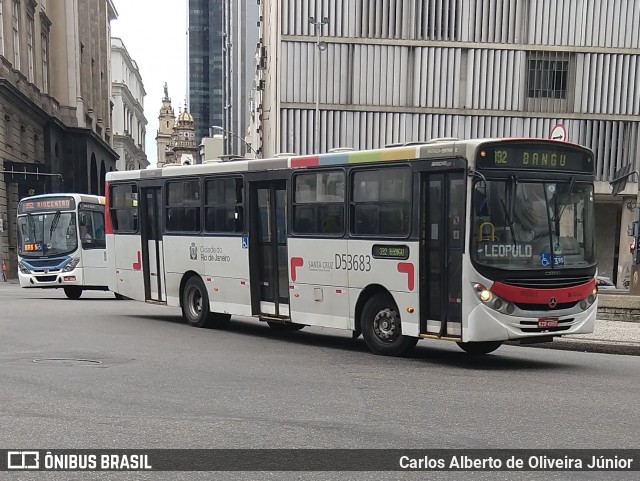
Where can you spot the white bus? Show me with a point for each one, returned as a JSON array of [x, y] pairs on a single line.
[[477, 241], [61, 243]]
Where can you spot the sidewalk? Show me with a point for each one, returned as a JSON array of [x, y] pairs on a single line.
[[617, 332]]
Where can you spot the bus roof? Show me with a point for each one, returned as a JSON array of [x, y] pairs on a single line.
[[88, 198], [436, 148]]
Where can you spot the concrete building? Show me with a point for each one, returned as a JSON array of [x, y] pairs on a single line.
[[398, 71], [55, 113], [241, 35], [129, 122], [206, 64]]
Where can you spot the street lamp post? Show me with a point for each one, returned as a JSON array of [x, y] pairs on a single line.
[[320, 46], [217, 127]]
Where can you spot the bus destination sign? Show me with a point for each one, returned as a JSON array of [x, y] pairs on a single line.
[[48, 204], [550, 157], [390, 252]]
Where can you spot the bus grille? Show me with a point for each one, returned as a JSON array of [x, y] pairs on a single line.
[[41, 263], [46, 278], [548, 283], [545, 307]]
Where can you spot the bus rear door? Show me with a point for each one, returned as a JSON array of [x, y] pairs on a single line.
[[151, 237], [268, 248]]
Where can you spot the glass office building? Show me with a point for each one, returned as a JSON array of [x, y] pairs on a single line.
[[206, 76]]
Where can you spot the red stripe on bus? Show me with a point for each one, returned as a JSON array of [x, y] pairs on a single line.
[[138, 265], [107, 212], [295, 262], [407, 268], [307, 161], [527, 295]]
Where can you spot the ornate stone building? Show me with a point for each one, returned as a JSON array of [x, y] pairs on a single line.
[[129, 122], [176, 138], [55, 112]]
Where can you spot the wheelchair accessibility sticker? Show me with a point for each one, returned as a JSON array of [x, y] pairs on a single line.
[[545, 259]]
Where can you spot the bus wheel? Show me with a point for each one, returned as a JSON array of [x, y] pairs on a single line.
[[381, 328], [195, 302], [289, 326], [73, 292], [478, 348], [218, 320]]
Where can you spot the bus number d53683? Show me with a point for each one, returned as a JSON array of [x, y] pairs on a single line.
[[357, 262]]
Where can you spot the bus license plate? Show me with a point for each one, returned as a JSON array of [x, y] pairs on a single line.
[[546, 322]]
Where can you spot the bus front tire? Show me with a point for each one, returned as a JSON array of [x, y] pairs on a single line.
[[479, 348], [282, 327], [73, 292], [381, 327], [195, 302]]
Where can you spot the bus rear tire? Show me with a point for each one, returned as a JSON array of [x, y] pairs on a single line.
[[381, 327], [73, 292], [479, 348], [282, 327], [195, 302]]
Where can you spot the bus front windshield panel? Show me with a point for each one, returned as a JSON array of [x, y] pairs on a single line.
[[47, 234], [522, 225]]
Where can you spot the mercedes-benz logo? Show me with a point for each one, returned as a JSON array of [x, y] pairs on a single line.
[[553, 302]]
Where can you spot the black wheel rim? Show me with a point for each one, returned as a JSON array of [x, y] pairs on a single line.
[[194, 302], [386, 325]]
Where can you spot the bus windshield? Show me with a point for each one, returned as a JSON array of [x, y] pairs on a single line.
[[523, 225], [47, 234]]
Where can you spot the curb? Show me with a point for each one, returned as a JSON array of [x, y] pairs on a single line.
[[585, 345]]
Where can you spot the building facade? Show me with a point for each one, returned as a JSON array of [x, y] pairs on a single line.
[[240, 43], [206, 64], [55, 122], [129, 122], [399, 71]]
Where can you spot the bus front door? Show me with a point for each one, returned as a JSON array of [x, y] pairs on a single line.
[[151, 236], [442, 245], [268, 256]]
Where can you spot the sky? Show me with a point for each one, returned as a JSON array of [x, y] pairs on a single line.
[[155, 35]]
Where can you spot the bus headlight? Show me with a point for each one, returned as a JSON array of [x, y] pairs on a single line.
[[71, 265], [493, 301], [23, 268], [483, 293]]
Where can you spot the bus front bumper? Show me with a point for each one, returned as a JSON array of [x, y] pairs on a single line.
[[485, 324], [51, 279]]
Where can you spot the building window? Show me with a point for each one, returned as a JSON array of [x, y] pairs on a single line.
[[45, 63], [30, 28], [548, 78], [318, 204], [16, 34]]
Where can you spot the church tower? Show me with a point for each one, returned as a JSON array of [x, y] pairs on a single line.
[[166, 121], [184, 139]]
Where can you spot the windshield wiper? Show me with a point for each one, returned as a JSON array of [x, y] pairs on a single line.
[[510, 194], [54, 223]]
